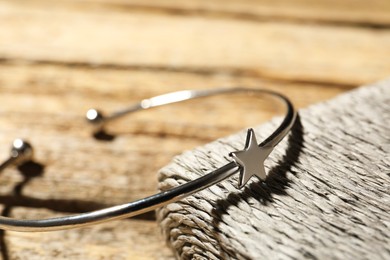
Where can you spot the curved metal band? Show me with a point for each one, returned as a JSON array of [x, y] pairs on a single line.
[[163, 198]]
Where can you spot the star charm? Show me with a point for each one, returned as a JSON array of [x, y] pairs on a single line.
[[251, 159]]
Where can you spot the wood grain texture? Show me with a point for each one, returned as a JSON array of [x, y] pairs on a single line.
[[136, 239], [348, 12], [327, 194], [349, 56], [59, 58]]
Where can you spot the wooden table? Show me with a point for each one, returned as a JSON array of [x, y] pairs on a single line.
[[59, 58]]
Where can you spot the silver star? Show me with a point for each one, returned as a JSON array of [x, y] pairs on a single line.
[[251, 159]]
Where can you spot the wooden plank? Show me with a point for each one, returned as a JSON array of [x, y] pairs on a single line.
[[46, 104], [275, 50]]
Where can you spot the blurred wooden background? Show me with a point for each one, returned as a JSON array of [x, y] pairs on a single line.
[[59, 58]]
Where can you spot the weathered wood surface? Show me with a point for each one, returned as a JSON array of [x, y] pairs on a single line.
[[326, 196], [58, 59]]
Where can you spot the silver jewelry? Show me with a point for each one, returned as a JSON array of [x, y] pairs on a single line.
[[21, 151], [247, 162]]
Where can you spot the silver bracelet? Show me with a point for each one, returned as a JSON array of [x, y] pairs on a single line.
[[247, 163]]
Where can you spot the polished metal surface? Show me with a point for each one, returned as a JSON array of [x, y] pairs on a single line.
[[248, 162], [21, 151], [251, 159]]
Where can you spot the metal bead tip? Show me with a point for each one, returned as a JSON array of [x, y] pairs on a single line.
[[94, 116], [21, 150]]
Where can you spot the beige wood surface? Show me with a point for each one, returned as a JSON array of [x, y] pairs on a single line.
[[57, 59]]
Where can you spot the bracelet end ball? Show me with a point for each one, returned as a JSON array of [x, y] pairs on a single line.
[[95, 117], [21, 151]]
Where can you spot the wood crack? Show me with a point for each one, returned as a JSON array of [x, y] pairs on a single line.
[[211, 71], [210, 13], [246, 16]]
